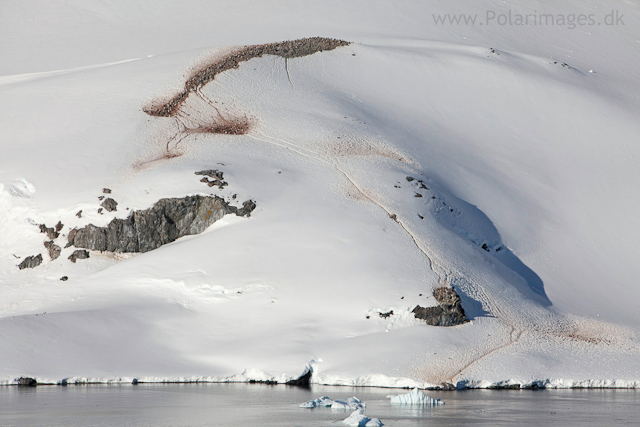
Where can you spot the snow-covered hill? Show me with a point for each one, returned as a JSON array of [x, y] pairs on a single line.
[[500, 160]]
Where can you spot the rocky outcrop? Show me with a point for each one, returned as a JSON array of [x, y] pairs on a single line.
[[303, 380], [31, 262], [164, 222], [286, 49], [218, 178], [54, 250], [27, 382], [78, 254], [109, 204], [449, 312], [51, 232]]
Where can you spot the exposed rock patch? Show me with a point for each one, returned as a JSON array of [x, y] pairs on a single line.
[[218, 178], [303, 380], [27, 382], [385, 315], [109, 204], [31, 262], [448, 313], [54, 250], [286, 49], [164, 222], [51, 232], [79, 254]]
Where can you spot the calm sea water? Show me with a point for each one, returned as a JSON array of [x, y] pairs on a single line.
[[260, 405]]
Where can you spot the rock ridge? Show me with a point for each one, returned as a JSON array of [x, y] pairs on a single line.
[[166, 221]]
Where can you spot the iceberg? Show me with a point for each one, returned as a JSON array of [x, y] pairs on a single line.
[[359, 419], [350, 403], [323, 401], [414, 397]]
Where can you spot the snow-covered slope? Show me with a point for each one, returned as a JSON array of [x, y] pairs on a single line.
[[518, 139]]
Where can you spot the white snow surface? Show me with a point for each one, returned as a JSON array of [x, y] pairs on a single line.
[[414, 397], [359, 419], [524, 139]]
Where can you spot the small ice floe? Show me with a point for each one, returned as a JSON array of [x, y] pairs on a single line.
[[22, 188], [350, 403], [323, 401], [359, 419], [415, 397]]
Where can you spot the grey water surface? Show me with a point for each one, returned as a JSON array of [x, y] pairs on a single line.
[[263, 405]]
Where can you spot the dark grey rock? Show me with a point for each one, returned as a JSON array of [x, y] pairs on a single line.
[[109, 204], [386, 315], [212, 173], [49, 231], [54, 250], [27, 382], [449, 312], [218, 178], [303, 380], [164, 222], [79, 254], [31, 262], [64, 278], [106, 190], [70, 237], [59, 226], [79, 213]]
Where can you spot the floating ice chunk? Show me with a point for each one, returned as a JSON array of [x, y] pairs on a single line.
[[350, 403], [323, 401], [415, 397], [359, 419], [22, 188]]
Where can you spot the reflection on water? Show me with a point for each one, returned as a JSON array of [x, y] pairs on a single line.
[[260, 405]]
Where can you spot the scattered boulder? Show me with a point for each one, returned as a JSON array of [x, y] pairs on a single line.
[[64, 278], [79, 213], [218, 178], [448, 313], [70, 237], [109, 204], [164, 222], [386, 315], [212, 173], [31, 262], [79, 254], [106, 190], [49, 231], [54, 250]]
